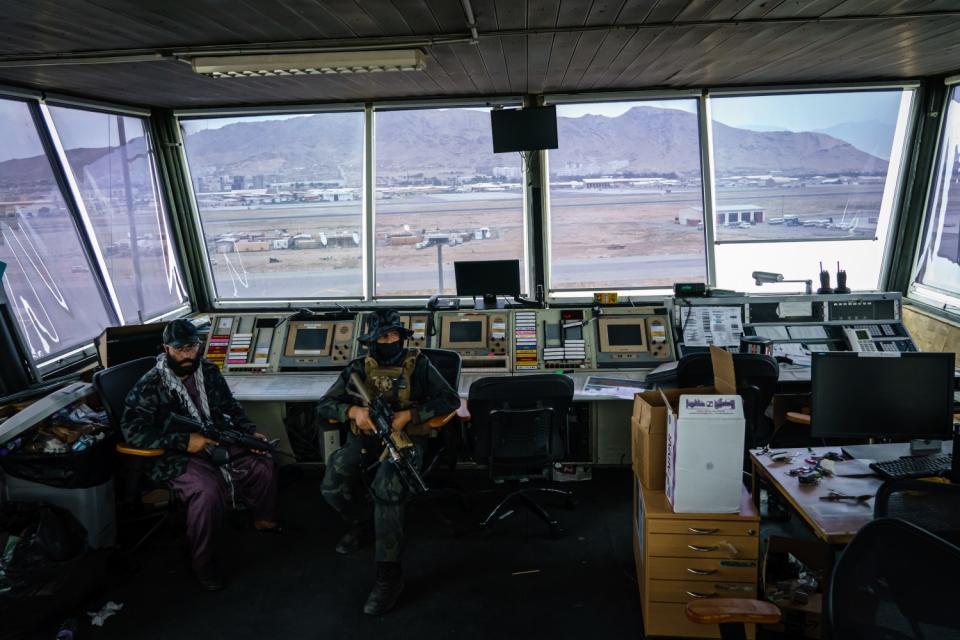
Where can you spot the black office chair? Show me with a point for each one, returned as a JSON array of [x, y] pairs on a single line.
[[448, 364], [934, 506], [894, 581], [756, 379], [113, 385], [518, 427]]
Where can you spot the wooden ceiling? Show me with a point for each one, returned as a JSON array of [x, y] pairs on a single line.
[[523, 46]]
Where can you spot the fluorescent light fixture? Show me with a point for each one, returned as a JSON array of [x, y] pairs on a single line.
[[305, 64]]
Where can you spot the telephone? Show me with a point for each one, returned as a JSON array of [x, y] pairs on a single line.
[[858, 339]]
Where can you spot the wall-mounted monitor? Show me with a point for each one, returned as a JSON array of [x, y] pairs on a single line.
[[309, 339], [529, 129], [458, 332], [622, 335]]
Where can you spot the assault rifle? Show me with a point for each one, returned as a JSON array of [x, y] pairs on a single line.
[[400, 454], [225, 435]]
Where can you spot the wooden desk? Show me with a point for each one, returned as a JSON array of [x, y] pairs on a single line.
[[832, 522]]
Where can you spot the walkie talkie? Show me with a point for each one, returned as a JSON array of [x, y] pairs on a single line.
[[841, 280], [824, 281]]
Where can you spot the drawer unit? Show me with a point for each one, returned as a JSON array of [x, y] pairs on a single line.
[[683, 556]]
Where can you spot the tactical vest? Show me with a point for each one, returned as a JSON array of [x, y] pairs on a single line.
[[394, 385]]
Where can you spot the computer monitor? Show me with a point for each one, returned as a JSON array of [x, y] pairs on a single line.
[[622, 335], [463, 332], [487, 278], [529, 129], [309, 338], [896, 396]]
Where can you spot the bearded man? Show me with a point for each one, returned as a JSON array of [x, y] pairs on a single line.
[[184, 384]]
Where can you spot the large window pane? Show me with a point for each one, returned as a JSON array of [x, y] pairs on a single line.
[[939, 264], [620, 182], [49, 281], [280, 202], [111, 160], [802, 166], [442, 196], [805, 179]]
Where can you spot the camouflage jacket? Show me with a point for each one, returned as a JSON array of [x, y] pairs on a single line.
[[430, 395], [149, 406]]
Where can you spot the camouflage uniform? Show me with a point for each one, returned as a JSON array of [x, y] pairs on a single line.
[[149, 406], [205, 488], [428, 395]]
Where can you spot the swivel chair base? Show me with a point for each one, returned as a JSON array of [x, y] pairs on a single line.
[[522, 496]]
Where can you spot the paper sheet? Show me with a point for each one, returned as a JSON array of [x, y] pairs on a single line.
[[774, 333], [705, 326], [807, 332], [796, 352], [795, 309]]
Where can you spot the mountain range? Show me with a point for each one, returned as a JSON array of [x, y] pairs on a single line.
[[437, 143]]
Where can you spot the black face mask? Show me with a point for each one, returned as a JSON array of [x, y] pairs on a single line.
[[184, 368], [387, 353]]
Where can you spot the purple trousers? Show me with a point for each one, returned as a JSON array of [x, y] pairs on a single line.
[[206, 494]]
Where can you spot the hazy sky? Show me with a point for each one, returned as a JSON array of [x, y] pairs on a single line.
[[792, 112]]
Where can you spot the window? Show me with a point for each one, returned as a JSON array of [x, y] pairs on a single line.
[[818, 171], [49, 281], [626, 197], [280, 203], [442, 196], [939, 258], [111, 159]]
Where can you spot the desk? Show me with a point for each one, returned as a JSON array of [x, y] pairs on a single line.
[[310, 387], [832, 522]]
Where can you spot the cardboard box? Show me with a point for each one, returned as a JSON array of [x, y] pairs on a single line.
[[648, 430], [704, 447]]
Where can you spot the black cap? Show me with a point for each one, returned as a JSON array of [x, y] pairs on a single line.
[[180, 332], [383, 321]]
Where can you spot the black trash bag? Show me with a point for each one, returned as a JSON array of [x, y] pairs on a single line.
[[36, 542], [90, 467]]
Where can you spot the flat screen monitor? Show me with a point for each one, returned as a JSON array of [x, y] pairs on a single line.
[[528, 129], [897, 396], [458, 332], [487, 277], [622, 335], [309, 339]]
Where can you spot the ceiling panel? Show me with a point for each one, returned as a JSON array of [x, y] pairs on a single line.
[[525, 46]]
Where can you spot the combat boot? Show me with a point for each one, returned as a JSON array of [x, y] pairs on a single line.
[[386, 589], [356, 538]]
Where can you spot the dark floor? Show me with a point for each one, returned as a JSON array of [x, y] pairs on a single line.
[[458, 586]]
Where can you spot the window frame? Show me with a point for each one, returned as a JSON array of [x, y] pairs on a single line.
[[419, 105], [196, 222], [942, 300], [633, 293]]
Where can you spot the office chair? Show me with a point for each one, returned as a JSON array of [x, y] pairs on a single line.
[[113, 385], [933, 506], [448, 364], [518, 426], [756, 378], [893, 581]]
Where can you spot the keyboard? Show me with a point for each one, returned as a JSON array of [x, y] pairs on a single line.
[[914, 467]]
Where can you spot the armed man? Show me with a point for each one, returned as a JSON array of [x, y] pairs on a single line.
[[405, 381], [181, 389]]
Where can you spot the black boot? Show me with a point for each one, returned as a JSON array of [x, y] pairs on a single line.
[[386, 589], [356, 538]]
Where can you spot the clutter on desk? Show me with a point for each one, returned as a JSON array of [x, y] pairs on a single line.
[[70, 449], [794, 575]]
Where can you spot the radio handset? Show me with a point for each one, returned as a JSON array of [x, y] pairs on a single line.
[[858, 340]]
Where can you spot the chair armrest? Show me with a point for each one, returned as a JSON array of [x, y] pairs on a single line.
[[798, 418], [127, 450], [732, 611], [784, 403]]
